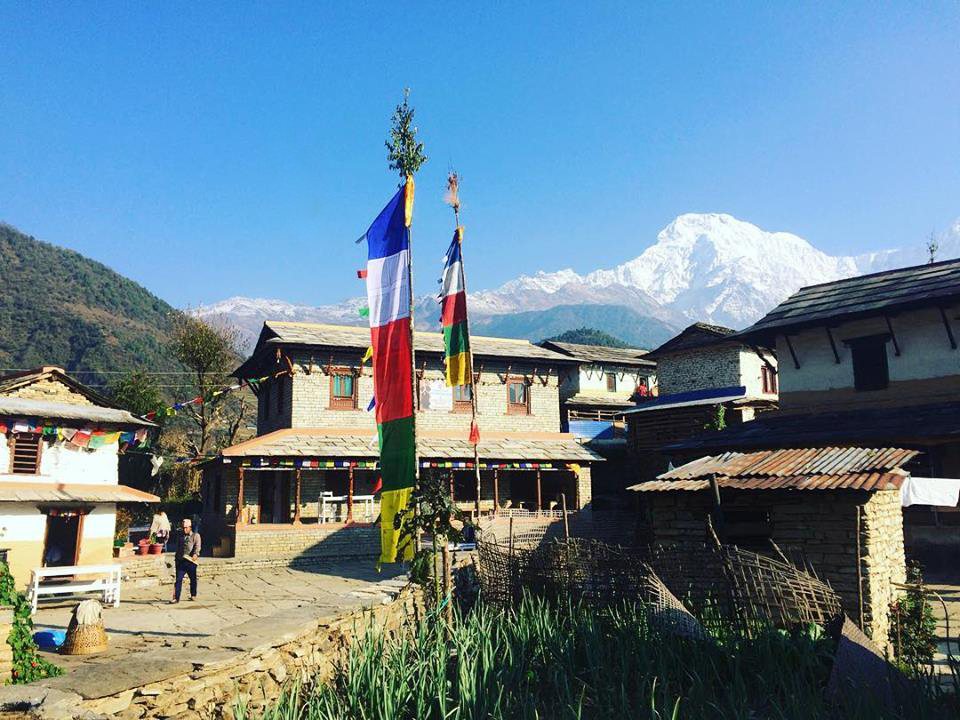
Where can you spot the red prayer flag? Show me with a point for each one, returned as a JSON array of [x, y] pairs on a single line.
[[378, 487], [474, 433]]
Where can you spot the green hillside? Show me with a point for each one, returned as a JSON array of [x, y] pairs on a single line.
[[589, 336], [621, 322], [60, 308]]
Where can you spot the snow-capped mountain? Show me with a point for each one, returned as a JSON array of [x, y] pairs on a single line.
[[703, 266]]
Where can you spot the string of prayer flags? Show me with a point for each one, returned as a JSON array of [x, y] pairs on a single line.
[[252, 383]]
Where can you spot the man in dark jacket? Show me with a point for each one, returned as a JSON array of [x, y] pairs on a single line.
[[187, 555]]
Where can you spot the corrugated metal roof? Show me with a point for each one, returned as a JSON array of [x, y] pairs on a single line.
[[632, 357], [333, 444], [707, 396], [917, 286], [800, 468], [70, 492]]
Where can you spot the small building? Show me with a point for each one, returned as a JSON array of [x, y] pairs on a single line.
[[306, 484], [59, 445], [705, 377], [593, 396], [870, 360], [836, 510], [604, 384]]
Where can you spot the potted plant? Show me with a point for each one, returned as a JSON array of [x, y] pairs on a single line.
[[143, 547], [155, 547]]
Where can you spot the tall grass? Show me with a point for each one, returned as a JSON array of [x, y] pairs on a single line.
[[543, 662]]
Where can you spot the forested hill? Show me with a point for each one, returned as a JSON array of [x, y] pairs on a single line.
[[60, 308]]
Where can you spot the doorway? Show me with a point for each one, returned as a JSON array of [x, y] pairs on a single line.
[[61, 545], [274, 497]]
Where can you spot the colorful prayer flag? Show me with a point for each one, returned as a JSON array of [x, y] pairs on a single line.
[[388, 295], [453, 315]]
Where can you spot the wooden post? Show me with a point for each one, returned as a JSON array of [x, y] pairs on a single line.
[[539, 493], [566, 524], [296, 496], [350, 494], [496, 491], [240, 496]]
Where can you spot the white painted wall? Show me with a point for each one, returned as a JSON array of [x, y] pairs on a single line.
[[925, 352], [751, 367], [63, 463], [592, 380]]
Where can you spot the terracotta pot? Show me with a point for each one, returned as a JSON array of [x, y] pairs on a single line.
[[143, 549], [156, 548]]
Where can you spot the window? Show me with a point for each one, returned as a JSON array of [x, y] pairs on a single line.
[[768, 379], [343, 390], [25, 454], [518, 397], [870, 371], [611, 382], [462, 398]]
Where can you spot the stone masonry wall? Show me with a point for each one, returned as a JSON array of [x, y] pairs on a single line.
[[820, 525], [209, 683], [333, 541], [306, 402], [51, 390], [714, 366]]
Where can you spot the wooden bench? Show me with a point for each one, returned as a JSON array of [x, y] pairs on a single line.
[[76, 579]]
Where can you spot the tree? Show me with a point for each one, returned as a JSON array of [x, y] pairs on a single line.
[[210, 353], [139, 393], [404, 153]]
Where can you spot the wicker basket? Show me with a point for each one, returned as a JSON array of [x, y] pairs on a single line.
[[84, 639]]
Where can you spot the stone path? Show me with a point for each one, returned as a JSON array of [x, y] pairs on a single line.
[[947, 586], [145, 624]]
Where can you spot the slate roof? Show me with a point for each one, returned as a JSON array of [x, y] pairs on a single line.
[[693, 336], [71, 492], [294, 443], [50, 410], [913, 425], [829, 468], [15, 381], [875, 294], [598, 401], [277, 333], [630, 357]]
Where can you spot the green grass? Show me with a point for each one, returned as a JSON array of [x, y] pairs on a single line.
[[542, 662]]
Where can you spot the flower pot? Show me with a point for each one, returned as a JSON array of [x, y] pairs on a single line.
[[156, 548], [143, 549]]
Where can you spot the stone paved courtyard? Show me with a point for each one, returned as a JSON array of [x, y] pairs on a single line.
[[145, 623]]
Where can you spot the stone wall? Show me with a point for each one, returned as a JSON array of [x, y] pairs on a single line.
[[306, 397], [51, 390], [321, 541], [251, 665], [713, 366], [820, 526]]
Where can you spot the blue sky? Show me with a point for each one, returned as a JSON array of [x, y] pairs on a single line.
[[213, 149]]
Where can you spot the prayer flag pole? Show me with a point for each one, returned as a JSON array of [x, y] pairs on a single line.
[[453, 198]]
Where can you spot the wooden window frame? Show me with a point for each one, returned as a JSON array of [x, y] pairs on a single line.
[[518, 408], [12, 444], [461, 406], [858, 346], [768, 380], [343, 403], [608, 377]]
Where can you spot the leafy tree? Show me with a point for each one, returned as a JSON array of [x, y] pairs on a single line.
[[404, 153], [139, 393], [210, 353]]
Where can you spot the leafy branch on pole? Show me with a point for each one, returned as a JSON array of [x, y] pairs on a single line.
[[404, 153]]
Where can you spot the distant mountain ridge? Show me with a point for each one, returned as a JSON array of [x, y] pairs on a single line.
[[58, 307], [703, 266]]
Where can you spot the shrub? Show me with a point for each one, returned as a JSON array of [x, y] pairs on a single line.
[[27, 663]]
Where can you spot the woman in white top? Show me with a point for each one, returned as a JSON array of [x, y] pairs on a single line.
[[160, 528]]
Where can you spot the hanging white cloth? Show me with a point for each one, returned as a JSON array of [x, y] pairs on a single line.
[[939, 492]]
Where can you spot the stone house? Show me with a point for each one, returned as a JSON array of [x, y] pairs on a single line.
[[702, 372], [306, 484], [593, 396], [870, 360], [59, 445], [836, 510]]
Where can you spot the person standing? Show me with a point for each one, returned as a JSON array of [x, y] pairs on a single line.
[[160, 528], [187, 555]]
